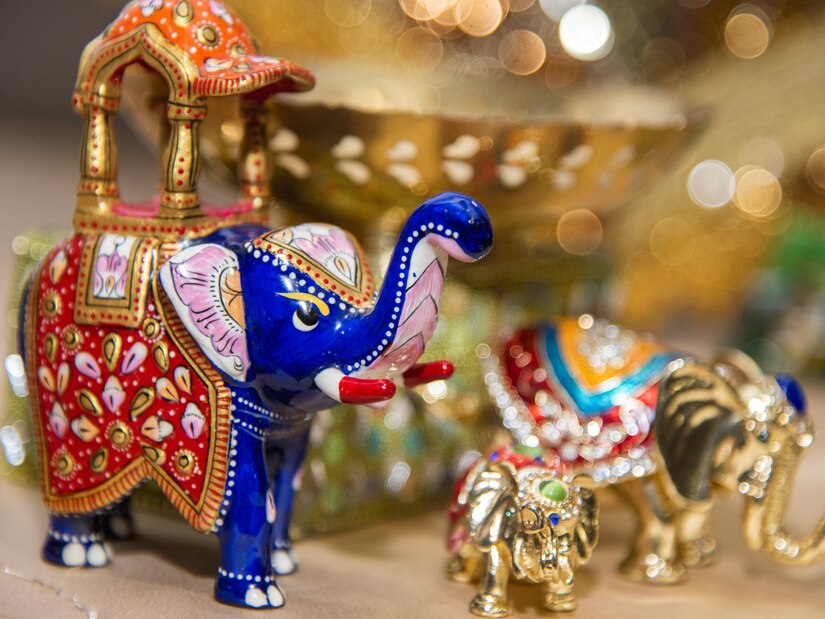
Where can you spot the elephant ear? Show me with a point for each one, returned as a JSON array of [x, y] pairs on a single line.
[[698, 410], [203, 283], [738, 368], [586, 534], [491, 492]]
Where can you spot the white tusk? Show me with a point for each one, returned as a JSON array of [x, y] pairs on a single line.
[[328, 381]]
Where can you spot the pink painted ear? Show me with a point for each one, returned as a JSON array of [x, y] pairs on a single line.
[[203, 282]]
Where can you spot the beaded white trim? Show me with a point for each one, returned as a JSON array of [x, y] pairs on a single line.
[[75, 539], [245, 577]]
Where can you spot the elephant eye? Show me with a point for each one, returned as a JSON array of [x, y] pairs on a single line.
[[763, 435], [305, 317]]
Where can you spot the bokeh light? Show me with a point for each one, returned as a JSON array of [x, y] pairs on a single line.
[[555, 9], [419, 49], [586, 33], [347, 13], [580, 232], [765, 153], [522, 52], [815, 169], [672, 241], [758, 192], [711, 184], [748, 32], [479, 18]]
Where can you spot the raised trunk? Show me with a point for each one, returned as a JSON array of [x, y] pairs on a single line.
[[404, 318], [388, 341], [769, 491]]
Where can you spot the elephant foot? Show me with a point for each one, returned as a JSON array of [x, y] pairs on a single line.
[[488, 605], [284, 561], [256, 592], [653, 569], [463, 569], [560, 602], [81, 551], [699, 552]]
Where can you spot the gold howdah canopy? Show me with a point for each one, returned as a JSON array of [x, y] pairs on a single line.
[[201, 49]]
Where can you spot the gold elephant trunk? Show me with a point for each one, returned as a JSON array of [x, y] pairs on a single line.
[[767, 504]]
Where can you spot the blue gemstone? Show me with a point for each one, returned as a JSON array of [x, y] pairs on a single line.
[[554, 519], [793, 392], [494, 455]]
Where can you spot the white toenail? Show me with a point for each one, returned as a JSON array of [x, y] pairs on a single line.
[[96, 555], [255, 598], [74, 554], [282, 563], [275, 596]]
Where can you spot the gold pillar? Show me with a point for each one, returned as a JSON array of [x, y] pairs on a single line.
[[254, 162], [179, 199], [97, 190]]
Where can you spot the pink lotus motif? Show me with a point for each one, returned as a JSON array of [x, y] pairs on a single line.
[[330, 247], [110, 276]]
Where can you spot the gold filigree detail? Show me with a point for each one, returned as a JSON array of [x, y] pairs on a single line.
[[160, 353], [151, 329], [154, 455], [208, 36], [89, 402], [71, 338], [112, 347], [63, 464], [184, 462], [120, 435], [51, 304], [141, 402], [183, 13], [99, 460], [50, 346]]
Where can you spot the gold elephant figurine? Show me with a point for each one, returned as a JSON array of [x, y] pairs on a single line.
[[513, 516], [664, 430]]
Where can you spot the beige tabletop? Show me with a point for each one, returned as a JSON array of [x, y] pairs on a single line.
[[390, 570]]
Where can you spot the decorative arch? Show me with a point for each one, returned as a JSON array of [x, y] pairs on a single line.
[[201, 50]]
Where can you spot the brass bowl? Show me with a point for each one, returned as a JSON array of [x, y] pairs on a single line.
[[355, 153]]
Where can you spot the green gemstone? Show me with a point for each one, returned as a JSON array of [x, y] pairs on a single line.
[[553, 490], [532, 452]]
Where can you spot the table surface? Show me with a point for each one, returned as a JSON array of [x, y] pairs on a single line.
[[390, 570]]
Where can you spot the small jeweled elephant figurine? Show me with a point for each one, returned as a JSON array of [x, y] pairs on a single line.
[[664, 430], [512, 515], [191, 345]]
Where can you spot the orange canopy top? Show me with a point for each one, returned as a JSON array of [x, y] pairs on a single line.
[[200, 47]]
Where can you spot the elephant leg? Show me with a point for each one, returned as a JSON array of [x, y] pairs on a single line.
[[465, 564], [75, 541], [245, 576], [286, 457], [117, 522], [491, 600], [696, 547], [654, 558], [558, 592]]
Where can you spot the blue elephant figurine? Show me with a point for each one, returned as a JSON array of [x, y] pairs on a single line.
[[199, 365]]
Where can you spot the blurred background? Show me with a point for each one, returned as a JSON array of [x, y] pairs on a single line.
[[657, 162]]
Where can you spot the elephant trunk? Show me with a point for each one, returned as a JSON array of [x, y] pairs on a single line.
[[405, 315], [768, 488]]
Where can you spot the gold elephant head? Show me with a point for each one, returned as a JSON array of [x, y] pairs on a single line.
[[549, 524]]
